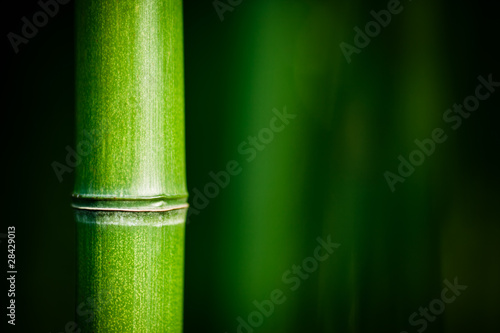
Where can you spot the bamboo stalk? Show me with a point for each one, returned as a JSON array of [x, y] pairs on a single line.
[[130, 194]]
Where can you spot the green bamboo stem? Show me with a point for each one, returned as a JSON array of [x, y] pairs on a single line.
[[130, 194]]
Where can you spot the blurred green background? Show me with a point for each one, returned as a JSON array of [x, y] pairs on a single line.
[[322, 176]]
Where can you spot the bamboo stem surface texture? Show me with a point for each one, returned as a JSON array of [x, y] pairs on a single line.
[[130, 195]]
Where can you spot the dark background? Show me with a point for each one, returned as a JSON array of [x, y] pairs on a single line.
[[323, 175]]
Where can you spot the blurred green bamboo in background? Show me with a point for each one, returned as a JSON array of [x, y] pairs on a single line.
[[324, 174]]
